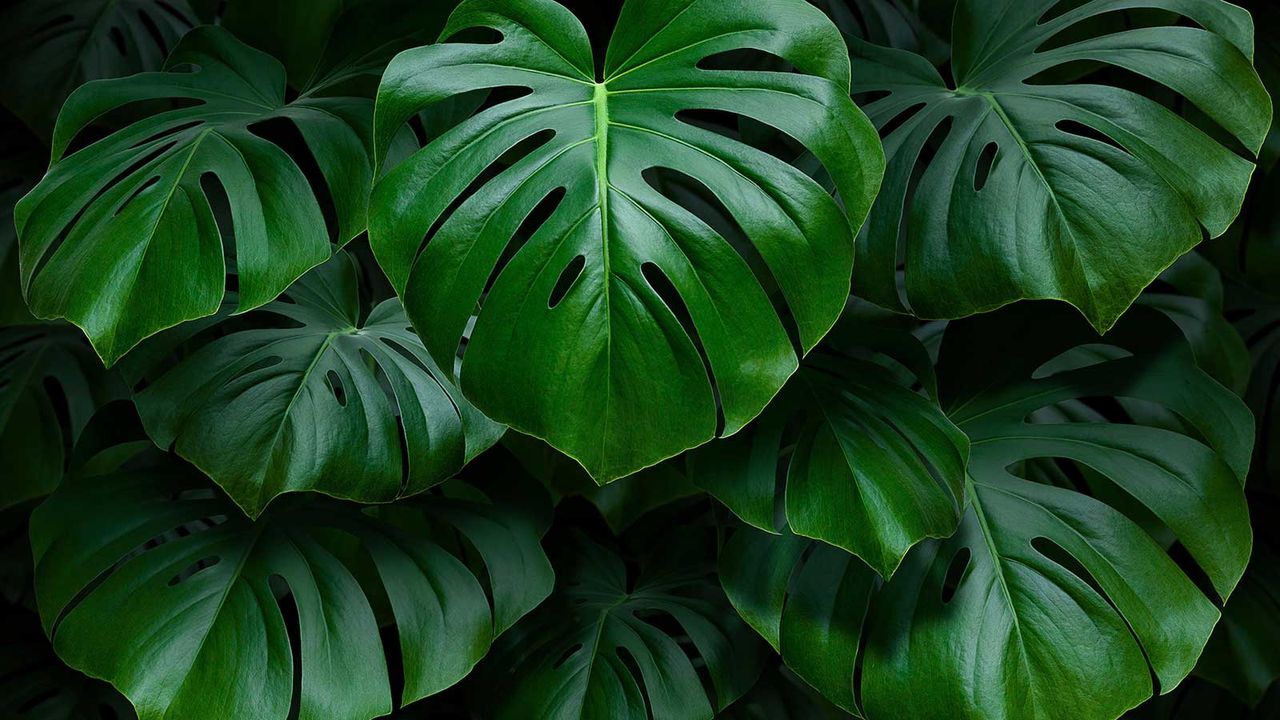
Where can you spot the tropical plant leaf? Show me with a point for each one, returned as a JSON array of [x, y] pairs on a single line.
[[325, 401], [1024, 180], [153, 581], [868, 464], [1191, 293], [121, 237], [50, 47], [620, 503], [593, 332], [991, 623], [809, 600], [50, 385], [35, 685], [609, 646]]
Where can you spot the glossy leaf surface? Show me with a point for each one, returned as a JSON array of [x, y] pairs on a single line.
[[121, 236], [599, 296], [1030, 178], [153, 581], [870, 465], [328, 401]]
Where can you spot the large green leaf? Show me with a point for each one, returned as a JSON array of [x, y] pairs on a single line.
[[121, 237], [809, 600], [50, 385], [1049, 603], [325, 401], [868, 464], [50, 47], [1024, 180], [152, 581], [608, 646], [614, 324]]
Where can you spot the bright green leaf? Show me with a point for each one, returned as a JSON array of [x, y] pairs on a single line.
[[121, 237], [593, 332]]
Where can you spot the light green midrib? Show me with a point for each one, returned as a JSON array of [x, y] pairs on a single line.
[[600, 103]]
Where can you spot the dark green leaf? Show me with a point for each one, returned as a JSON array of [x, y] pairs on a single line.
[[35, 685], [1025, 180], [50, 385], [152, 581], [325, 402], [1047, 602], [121, 238], [611, 647], [593, 332], [50, 47], [868, 464], [807, 599]]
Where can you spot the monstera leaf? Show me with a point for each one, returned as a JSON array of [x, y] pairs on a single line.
[[153, 581], [121, 236], [993, 622], [51, 47], [354, 409], [1191, 293], [1025, 180], [1070, 511], [607, 646], [50, 385], [868, 464], [611, 320], [809, 600]]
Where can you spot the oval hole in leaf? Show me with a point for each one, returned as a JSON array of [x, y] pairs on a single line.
[[565, 282]]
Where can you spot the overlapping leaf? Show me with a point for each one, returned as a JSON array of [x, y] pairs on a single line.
[[325, 401], [579, 336], [50, 385], [870, 465], [1026, 180], [50, 47], [151, 580], [121, 237], [607, 646], [993, 622]]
